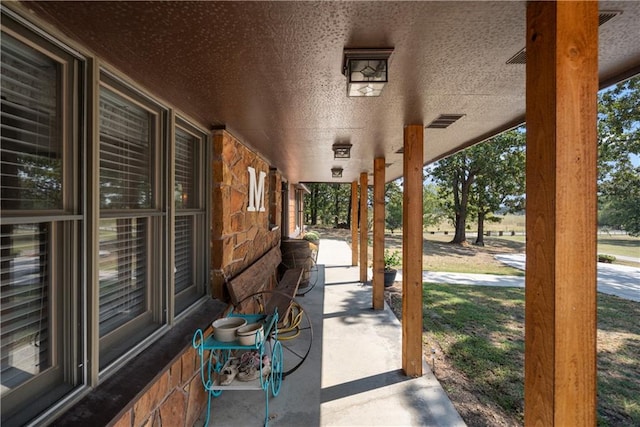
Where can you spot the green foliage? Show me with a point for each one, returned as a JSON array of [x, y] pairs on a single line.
[[482, 179], [393, 205], [618, 143], [432, 209], [391, 259], [311, 236], [608, 259], [328, 204]]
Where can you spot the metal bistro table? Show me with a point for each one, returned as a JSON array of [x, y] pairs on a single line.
[[214, 354]]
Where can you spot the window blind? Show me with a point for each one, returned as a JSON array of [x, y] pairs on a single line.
[[24, 297], [125, 153], [30, 161], [183, 253], [185, 170], [123, 271]]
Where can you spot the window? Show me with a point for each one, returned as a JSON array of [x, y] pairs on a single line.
[[298, 208], [131, 303], [50, 326], [41, 343], [189, 225]]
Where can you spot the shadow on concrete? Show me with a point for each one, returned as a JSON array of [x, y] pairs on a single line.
[[362, 385]]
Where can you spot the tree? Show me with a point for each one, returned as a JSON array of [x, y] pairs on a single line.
[[501, 184], [455, 174], [327, 203], [471, 179], [432, 211], [619, 145], [393, 208]]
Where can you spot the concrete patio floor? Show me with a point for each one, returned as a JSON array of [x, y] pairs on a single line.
[[353, 375]]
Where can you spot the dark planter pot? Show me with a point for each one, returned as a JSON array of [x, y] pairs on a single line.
[[389, 277]]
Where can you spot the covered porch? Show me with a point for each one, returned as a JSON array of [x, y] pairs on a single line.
[[186, 70], [338, 385]]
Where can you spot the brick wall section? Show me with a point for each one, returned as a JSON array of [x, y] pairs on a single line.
[[176, 397], [238, 237], [275, 202], [292, 231]]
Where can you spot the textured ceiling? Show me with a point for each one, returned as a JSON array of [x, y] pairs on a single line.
[[271, 71]]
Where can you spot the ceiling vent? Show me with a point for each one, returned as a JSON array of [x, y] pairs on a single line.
[[444, 121], [519, 58], [605, 16]]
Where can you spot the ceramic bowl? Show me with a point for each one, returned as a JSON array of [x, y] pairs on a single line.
[[250, 334], [225, 329]]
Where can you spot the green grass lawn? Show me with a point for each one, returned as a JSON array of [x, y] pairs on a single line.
[[481, 332], [619, 245]]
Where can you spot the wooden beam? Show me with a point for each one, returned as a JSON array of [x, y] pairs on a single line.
[[412, 251], [364, 231], [378, 233], [354, 223], [560, 307]]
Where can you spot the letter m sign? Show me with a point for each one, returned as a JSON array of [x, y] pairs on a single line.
[[256, 191]]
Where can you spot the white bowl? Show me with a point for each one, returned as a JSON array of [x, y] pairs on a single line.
[[250, 334], [225, 329]]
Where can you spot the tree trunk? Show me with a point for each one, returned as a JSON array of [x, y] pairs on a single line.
[[461, 210], [461, 224], [336, 207], [480, 238], [314, 205]]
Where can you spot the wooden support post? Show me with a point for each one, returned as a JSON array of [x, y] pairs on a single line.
[[412, 251], [560, 311], [354, 223], [378, 233], [364, 229]]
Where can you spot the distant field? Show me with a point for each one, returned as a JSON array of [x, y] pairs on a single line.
[[619, 245], [507, 224], [607, 244]]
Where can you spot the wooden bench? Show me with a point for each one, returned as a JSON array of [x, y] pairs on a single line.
[[260, 279]]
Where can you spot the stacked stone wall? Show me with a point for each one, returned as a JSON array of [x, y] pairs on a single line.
[[175, 398], [238, 236]]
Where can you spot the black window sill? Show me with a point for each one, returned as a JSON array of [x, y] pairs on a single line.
[[107, 401]]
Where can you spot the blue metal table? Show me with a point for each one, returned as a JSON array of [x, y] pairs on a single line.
[[214, 354]]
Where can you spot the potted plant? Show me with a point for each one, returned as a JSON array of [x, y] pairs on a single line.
[[391, 260], [312, 236]]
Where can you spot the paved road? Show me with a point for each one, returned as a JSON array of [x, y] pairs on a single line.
[[616, 280]]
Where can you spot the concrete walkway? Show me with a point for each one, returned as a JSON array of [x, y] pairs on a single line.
[[353, 375], [619, 280]]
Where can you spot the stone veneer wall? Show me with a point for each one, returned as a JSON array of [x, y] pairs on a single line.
[[176, 398], [238, 237]]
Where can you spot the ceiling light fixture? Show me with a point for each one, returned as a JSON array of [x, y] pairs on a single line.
[[336, 172], [367, 70], [341, 151]]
